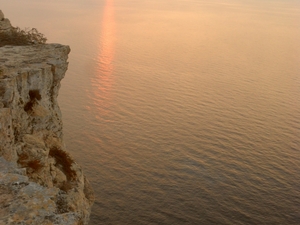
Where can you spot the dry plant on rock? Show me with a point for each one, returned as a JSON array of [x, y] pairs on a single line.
[[17, 36], [64, 161]]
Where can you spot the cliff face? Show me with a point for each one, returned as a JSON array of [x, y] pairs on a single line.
[[39, 181]]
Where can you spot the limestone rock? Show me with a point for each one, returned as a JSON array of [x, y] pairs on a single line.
[[4, 23], [25, 202], [39, 181], [1, 15]]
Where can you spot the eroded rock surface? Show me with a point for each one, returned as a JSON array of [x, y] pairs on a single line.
[[39, 181], [4, 23]]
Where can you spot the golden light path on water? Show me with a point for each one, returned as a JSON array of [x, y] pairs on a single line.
[[103, 81]]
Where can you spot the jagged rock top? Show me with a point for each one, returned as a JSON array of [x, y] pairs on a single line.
[[1, 15], [4, 23]]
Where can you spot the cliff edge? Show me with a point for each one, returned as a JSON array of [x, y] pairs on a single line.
[[39, 181]]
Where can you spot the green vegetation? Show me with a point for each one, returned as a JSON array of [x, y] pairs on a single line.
[[17, 36]]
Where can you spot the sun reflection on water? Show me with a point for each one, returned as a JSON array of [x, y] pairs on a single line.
[[104, 80]]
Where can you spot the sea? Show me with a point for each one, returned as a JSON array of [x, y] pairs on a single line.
[[180, 111]]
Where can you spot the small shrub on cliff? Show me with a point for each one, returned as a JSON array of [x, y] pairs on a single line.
[[35, 165], [17, 36], [32, 165], [63, 160]]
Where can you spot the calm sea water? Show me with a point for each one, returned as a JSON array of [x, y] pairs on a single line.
[[182, 111]]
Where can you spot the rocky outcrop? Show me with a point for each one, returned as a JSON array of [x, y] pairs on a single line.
[[4, 23], [39, 181]]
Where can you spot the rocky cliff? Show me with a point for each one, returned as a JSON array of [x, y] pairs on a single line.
[[39, 181]]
